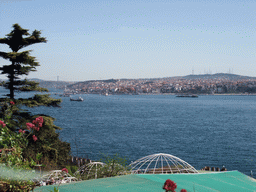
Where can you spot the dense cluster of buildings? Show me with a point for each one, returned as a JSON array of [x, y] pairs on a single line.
[[188, 84], [192, 84]]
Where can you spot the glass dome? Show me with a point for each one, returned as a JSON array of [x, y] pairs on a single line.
[[161, 163]]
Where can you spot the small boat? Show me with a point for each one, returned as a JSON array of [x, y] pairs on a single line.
[[66, 95], [105, 94], [79, 99]]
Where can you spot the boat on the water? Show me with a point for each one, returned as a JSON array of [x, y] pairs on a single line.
[[66, 95], [195, 96], [78, 99], [105, 94]]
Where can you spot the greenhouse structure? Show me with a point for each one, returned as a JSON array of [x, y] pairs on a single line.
[[150, 173]]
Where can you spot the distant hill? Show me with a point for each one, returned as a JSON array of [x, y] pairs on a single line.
[[36, 80], [52, 84], [77, 84], [72, 84], [204, 76], [49, 84], [218, 76]]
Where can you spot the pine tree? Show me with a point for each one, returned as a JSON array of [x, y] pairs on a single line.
[[21, 62], [49, 144]]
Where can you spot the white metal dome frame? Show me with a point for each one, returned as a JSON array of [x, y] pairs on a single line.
[[93, 168], [58, 176], [161, 163], [88, 168]]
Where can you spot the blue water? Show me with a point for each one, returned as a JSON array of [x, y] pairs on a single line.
[[203, 131]]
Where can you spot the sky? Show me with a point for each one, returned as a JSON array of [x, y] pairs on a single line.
[[105, 39]]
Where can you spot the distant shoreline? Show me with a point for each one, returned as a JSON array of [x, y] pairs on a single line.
[[221, 94], [241, 94]]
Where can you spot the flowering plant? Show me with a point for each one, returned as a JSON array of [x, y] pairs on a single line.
[[169, 185], [13, 143], [22, 132], [2, 124], [64, 170]]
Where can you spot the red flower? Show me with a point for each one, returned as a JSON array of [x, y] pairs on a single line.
[[24, 131], [169, 185], [2, 123], [38, 122], [64, 169], [0, 150], [183, 190], [20, 131], [12, 103], [40, 119], [34, 137], [30, 125]]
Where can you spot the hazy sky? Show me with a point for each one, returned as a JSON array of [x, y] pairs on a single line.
[[103, 39]]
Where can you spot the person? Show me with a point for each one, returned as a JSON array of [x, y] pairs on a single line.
[[223, 168], [52, 181]]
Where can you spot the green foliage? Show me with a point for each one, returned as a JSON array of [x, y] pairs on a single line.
[[40, 100], [8, 138], [15, 40], [12, 146], [21, 63], [31, 86], [21, 146], [115, 165], [12, 158], [39, 156], [16, 179], [55, 189], [53, 150], [16, 186], [48, 145], [20, 150], [72, 169]]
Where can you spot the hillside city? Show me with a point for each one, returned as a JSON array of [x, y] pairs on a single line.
[[191, 84], [220, 83]]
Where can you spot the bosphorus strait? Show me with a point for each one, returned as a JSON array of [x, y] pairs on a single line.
[[204, 131]]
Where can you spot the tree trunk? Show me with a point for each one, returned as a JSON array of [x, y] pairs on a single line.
[[12, 81]]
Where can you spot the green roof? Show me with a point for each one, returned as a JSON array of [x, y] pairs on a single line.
[[217, 181]]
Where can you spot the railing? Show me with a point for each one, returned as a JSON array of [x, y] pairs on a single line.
[[79, 161]]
